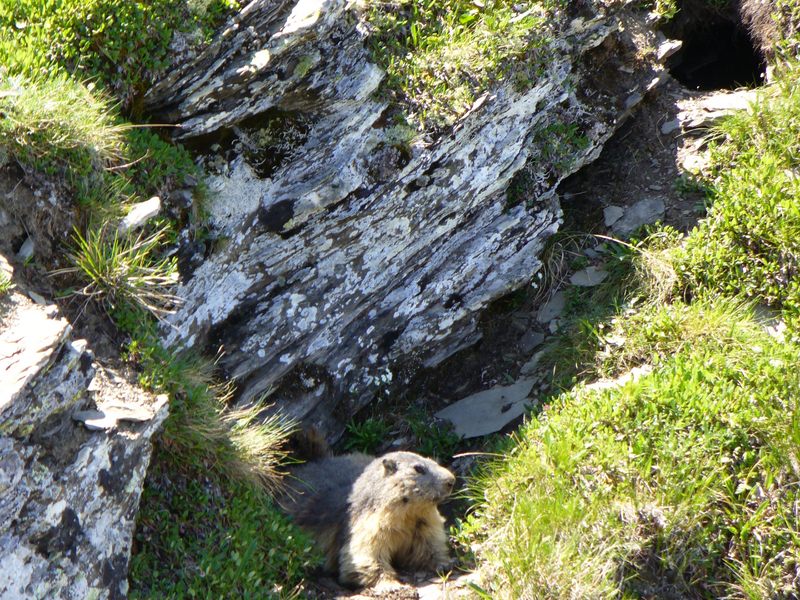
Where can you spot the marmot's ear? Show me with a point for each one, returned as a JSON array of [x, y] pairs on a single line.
[[389, 466]]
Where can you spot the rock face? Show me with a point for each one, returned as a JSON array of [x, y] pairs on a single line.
[[353, 254], [68, 496]]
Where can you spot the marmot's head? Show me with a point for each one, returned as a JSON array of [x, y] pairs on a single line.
[[416, 478]]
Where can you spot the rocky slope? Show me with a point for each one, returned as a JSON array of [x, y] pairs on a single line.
[[355, 255]]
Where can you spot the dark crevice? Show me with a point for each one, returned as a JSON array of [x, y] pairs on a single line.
[[718, 51]]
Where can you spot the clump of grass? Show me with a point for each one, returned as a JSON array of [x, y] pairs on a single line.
[[123, 271], [440, 56], [5, 283], [59, 128]]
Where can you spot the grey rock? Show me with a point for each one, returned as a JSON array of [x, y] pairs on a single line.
[[670, 126], [530, 367], [553, 308], [667, 49], [530, 340], [703, 112], [644, 212], [488, 411], [588, 277], [25, 251], [139, 214], [612, 214], [68, 497], [333, 265]]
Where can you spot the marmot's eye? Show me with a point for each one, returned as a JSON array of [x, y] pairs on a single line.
[[420, 469]]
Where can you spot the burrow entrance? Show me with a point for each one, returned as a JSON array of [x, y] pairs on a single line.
[[718, 51]]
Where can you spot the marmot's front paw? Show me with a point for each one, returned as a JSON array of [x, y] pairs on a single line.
[[445, 564], [388, 584]]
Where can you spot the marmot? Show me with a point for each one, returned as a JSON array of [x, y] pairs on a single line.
[[372, 515]]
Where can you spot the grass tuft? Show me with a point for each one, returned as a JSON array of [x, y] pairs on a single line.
[[122, 271], [59, 128]]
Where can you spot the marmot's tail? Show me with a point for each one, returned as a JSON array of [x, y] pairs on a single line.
[[309, 444]]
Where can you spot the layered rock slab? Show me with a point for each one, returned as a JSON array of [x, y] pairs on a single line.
[[340, 266], [68, 496]]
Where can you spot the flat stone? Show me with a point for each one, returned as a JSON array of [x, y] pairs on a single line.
[[26, 250], [612, 214], [140, 214], [530, 340], [667, 49], [670, 126], [552, 309], [588, 277], [644, 212], [28, 343], [529, 368], [488, 411]]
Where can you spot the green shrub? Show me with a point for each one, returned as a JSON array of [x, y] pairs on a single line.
[[122, 43], [750, 242]]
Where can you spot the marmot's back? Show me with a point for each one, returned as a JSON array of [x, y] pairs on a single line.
[[319, 490]]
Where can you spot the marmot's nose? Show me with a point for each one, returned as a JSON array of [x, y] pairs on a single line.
[[449, 483]]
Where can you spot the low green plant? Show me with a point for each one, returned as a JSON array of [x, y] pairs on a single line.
[[433, 438], [367, 435], [5, 283], [119, 43], [195, 538], [440, 56], [155, 166]]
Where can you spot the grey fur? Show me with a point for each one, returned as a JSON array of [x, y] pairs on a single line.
[[371, 515]]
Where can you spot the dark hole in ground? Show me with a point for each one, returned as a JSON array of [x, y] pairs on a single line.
[[717, 53]]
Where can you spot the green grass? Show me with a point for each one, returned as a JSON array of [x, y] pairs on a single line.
[[441, 56], [683, 483], [685, 479], [123, 271], [196, 538], [750, 242], [5, 283]]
